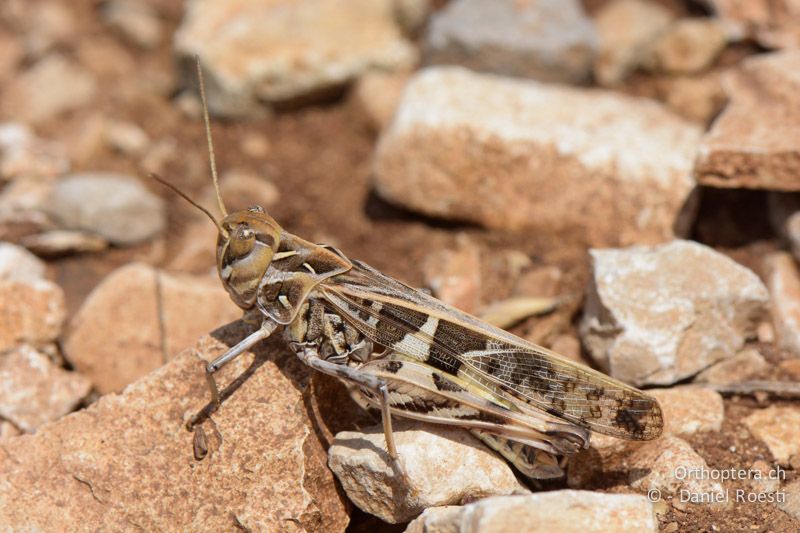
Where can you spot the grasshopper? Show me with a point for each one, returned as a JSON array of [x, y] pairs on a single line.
[[410, 355]]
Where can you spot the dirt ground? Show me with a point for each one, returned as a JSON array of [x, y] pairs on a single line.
[[319, 158]]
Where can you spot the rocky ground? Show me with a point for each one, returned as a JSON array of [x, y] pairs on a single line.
[[615, 180]]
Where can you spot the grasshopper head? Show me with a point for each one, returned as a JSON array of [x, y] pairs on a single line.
[[247, 241]]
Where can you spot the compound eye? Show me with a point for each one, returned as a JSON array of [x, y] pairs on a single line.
[[242, 242]]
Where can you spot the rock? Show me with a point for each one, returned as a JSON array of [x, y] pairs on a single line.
[[769, 481], [738, 368], [627, 29], [774, 24], [33, 312], [465, 146], [137, 22], [197, 249], [698, 98], [689, 410], [274, 51], [445, 519], [668, 465], [443, 465], [754, 142], [126, 138], [33, 391], [412, 14], [657, 315], [377, 94], [784, 215], [22, 204], [114, 206], [256, 145], [671, 466], [137, 318], [792, 504], [23, 155], [18, 264], [242, 189], [57, 243], [11, 54], [784, 287], [52, 86], [568, 346], [568, 511], [47, 25], [454, 275], [506, 313], [548, 40], [8, 430], [127, 459], [544, 281], [779, 428], [688, 46], [790, 368]]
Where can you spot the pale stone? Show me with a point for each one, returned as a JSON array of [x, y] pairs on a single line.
[[33, 312], [128, 459], [56, 243], [699, 98], [196, 249], [784, 287], [656, 315], [627, 28], [792, 504], [544, 281], [773, 23], [52, 86], [242, 189], [47, 25], [272, 51], [454, 275], [770, 481], [784, 215], [412, 14], [568, 346], [126, 137], [467, 146], [755, 142], [549, 40], [688, 46], [116, 207], [8, 430], [23, 155], [790, 368], [11, 54], [779, 428], [136, 21], [671, 466], [688, 410], [442, 466], [34, 391], [565, 511], [138, 318], [377, 94], [744, 365], [18, 264]]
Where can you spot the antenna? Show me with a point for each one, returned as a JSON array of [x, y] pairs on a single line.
[[185, 196], [211, 158]]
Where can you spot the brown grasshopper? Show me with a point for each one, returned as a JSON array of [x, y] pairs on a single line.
[[408, 354]]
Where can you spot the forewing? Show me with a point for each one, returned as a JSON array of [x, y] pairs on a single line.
[[416, 390], [425, 329]]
